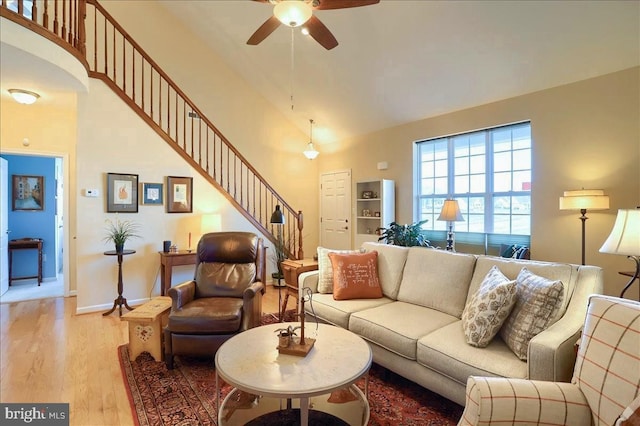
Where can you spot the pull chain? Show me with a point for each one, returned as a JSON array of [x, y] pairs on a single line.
[[292, 67]]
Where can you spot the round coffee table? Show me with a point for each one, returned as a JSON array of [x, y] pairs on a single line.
[[266, 380]]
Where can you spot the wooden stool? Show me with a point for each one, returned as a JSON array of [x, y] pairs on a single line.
[[145, 327]]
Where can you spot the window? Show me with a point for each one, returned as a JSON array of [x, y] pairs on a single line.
[[487, 171]]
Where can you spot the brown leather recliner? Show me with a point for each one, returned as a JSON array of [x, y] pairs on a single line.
[[223, 299]]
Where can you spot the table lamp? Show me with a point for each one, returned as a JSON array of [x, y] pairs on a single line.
[[211, 222], [451, 213], [583, 199], [625, 240]]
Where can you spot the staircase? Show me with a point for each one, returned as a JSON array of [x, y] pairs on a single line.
[[89, 32]]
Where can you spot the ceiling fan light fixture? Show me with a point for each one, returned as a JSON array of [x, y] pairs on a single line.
[[23, 96], [293, 13]]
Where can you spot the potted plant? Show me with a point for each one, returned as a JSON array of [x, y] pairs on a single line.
[[404, 235], [285, 335], [279, 255], [119, 232]]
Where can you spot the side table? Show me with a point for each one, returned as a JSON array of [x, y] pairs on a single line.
[[292, 270], [119, 301], [23, 244], [145, 327], [168, 261]]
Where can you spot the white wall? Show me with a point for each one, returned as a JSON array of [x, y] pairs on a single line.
[[112, 138]]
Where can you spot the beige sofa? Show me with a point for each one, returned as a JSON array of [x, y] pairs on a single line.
[[415, 329]]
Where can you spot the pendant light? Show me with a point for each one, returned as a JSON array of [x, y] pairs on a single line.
[[310, 152]]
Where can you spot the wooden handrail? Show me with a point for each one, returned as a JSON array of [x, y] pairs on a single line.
[[110, 54]]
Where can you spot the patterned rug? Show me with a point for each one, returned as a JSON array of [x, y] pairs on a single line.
[[186, 395]]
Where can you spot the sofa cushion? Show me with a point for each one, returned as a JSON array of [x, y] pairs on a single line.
[[325, 270], [437, 279], [565, 272], [391, 261], [355, 276], [488, 308], [537, 304], [397, 326], [337, 312], [446, 352]]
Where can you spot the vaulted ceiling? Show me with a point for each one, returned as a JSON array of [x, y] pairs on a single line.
[[401, 61]]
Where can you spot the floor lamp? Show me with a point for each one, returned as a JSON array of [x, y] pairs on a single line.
[[451, 213], [625, 240], [583, 200], [277, 218]]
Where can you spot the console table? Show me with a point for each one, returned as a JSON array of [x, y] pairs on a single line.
[[24, 244], [168, 261], [119, 301]]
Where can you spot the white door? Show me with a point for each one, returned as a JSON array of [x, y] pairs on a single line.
[[335, 208], [59, 217], [4, 226]]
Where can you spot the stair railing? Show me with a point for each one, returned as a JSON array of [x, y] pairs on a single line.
[[110, 54]]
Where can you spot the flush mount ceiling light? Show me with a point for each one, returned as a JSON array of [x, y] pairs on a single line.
[[310, 152], [293, 13], [24, 96]]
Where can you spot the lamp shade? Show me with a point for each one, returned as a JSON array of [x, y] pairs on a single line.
[[584, 199], [293, 12], [277, 218], [451, 212], [625, 235], [210, 223], [24, 96]]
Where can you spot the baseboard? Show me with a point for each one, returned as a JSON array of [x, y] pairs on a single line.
[[107, 306]]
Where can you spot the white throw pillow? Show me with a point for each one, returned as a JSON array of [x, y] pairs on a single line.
[[488, 308], [325, 270]]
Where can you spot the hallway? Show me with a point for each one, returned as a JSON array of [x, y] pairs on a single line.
[[28, 290]]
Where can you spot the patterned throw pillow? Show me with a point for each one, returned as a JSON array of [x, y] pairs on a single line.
[[355, 276], [325, 271], [537, 304], [488, 308]]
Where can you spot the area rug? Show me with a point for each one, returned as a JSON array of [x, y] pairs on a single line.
[[186, 395]]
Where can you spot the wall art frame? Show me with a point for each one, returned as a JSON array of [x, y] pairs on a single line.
[[152, 194], [27, 192], [179, 194], [122, 193]]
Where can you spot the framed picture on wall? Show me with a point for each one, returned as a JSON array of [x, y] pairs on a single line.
[[122, 193], [179, 194], [27, 192], [152, 194]]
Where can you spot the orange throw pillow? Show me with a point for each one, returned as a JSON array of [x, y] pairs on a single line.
[[355, 276]]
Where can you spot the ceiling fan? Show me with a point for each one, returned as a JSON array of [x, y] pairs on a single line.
[[295, 13]]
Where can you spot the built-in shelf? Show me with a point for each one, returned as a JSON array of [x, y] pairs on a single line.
[[375, 208]]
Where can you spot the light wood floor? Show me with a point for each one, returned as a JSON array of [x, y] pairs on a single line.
[[50, 354]]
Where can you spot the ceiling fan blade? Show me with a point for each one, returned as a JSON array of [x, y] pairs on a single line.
[[262, 1], [263, 32], [343, 4], [321, 33]]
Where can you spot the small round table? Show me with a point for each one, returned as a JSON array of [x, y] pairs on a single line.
[[263, 377], [119, 301]]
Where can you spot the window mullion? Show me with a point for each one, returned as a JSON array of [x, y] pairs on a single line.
[[488, 194]]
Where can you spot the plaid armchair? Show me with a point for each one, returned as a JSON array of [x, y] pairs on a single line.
[[606, 378]]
